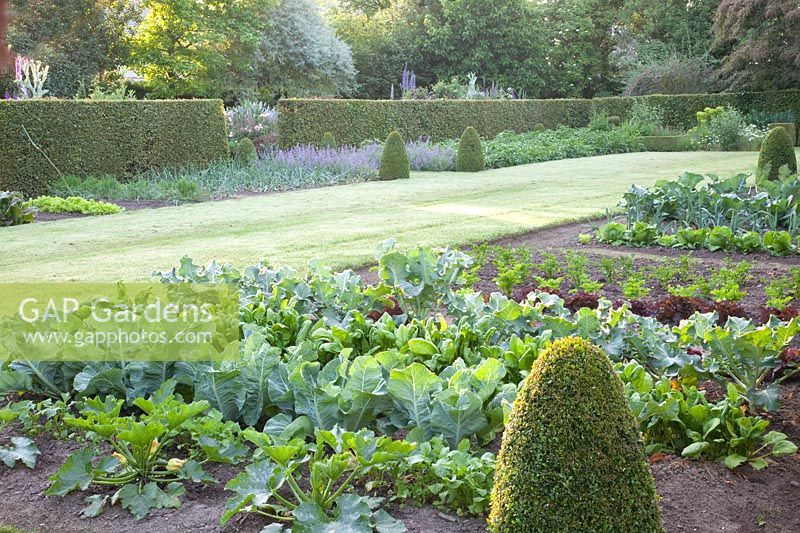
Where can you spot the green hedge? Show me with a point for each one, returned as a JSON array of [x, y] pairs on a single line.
[[302, 121], [99, 138], [679, 110]]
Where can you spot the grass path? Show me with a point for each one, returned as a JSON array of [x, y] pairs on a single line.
[[342, 224]]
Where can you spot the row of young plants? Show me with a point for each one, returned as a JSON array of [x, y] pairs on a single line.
[[331, 369], [670, 289], [15, 210]]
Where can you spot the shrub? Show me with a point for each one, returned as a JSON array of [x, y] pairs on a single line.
[[300, 121], [394, 160], [572, 457], [615, 120], [600, 122], [664, 143], [539, 127], [328, 141], [470, 152], [245, 152], [99, 138], [788, 126], [776, 151], [13, 210]]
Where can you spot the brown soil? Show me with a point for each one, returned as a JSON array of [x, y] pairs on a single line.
[[695, 496]]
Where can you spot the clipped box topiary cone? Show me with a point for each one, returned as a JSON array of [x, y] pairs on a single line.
[[572, 458], [328, 141], [539, 127], [776, 151], [394, 160], [789, 127], [470, 152], [246, 153]]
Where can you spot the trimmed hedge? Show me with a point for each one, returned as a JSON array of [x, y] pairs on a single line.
[[300, 121], [99, 138], [572, 457], [680, 109]]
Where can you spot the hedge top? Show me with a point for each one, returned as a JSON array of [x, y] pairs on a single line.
[[301, 121], [572, 457]]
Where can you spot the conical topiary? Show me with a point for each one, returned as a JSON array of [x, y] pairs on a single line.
[[394, 160], [245, 152], [572, 458], [470, 152], [776, 151], [539, 127], [328, 141]]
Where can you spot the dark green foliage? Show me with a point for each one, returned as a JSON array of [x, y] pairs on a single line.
[[77, 39], [394, 160], [98, 138], [470, 152], [572, 458], [776, 151], [539, 127], [679, 110], [663, 143], [328, 141], [615, 120], [789, 127], [245, 152], [301, 120]]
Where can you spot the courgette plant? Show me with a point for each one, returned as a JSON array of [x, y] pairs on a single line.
[[139, 463], [333, 463]]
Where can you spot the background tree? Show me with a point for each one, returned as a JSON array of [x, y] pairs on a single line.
[[301, 55], [207, 49], [500, 41], [381, 42], [4, 55], [759, 43], [78, 39]]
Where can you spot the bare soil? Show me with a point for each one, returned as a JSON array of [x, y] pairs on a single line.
[[696, 496]]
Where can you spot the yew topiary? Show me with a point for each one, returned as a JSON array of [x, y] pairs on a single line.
[[394, 160], [245, 152], [539, 127], [572, 458], [615, 120], [470, 152], [776, 151], [328, 141]]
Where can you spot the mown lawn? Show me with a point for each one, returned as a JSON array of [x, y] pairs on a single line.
[[342, 224]]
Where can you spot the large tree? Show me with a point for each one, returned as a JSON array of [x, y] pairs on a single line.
[[759, 43], [190, 48], [301, 55], [381, 42], [78, 39]]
